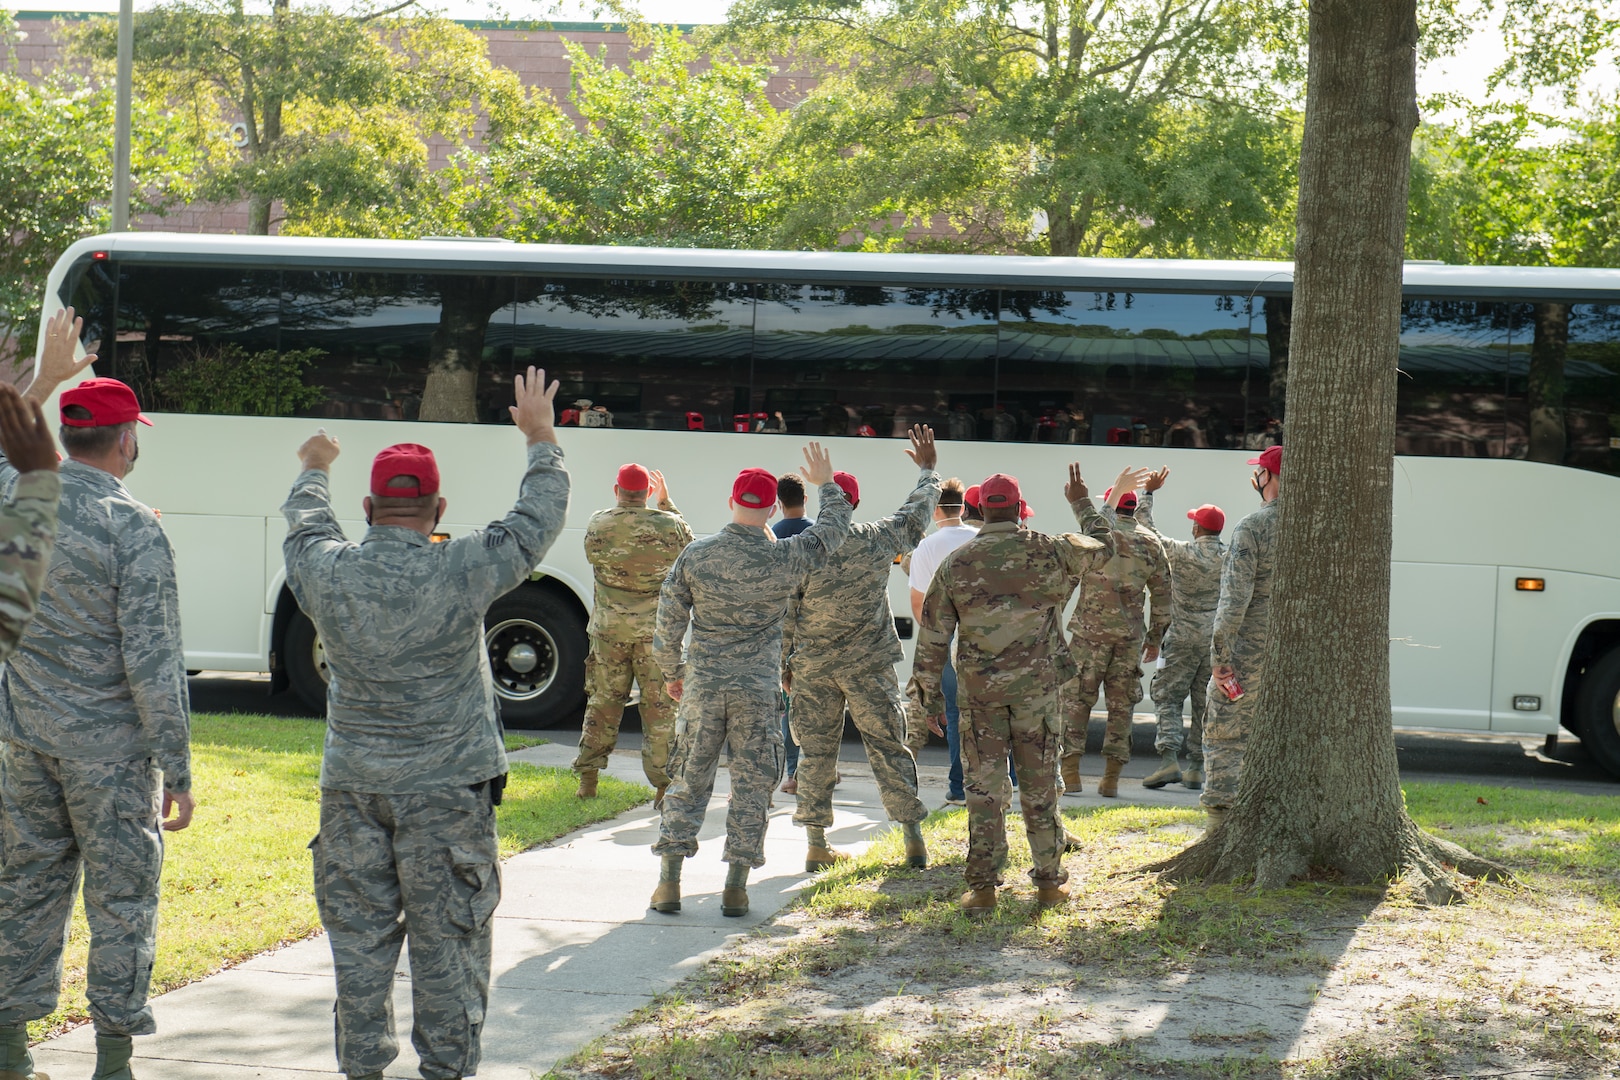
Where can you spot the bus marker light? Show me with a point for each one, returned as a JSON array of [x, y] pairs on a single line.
[[98, 256], [1530, 584], [1526, 703], [438, 537]]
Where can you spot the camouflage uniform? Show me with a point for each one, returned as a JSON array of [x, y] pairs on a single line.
[[841, 646], [732, 589], [1239, 639], [412, 742], [1195, 589], [95, 708], [631, 549], [1002, 596], [1107, 636]]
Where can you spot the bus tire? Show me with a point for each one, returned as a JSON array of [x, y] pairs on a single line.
[[305, 662], [1597, 705], [537, 646]]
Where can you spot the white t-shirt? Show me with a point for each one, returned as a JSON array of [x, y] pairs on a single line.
[[933, 550]]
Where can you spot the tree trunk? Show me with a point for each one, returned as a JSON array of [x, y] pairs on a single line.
[[258, 215], [1320, 788], [1063, 232], [1547, 353], [1279, 316], [456, 351]]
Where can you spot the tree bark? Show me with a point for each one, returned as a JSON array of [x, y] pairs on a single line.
[[1546, 390], [1063, 231], [456, 352], [1320, 788], [1279, 316]]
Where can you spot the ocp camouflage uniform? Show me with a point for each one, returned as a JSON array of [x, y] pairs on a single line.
[[731, 588], [1242, 621], [1107, 635], [630, 549], [1002, 596], [407, 843], [96, 722], [1195, 590], [841, 646]]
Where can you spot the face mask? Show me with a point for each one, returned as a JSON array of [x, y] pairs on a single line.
[[134, 454], [1259, 484]]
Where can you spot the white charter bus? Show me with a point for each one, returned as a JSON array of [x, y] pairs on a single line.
[[1505, 608]]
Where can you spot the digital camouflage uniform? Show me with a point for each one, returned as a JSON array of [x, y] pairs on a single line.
[[1239, 638], [841, 646], [631, 549], [1195, 589], [407, 845], [1002, 596], [95, 709], [1106, 640], [732, 589]]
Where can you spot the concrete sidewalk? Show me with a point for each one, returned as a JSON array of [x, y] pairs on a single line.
[[576, 949]]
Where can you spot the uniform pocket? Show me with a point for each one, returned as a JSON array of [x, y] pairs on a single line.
[[473, 891], [131, 848]]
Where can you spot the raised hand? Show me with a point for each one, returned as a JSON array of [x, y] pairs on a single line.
[[57, 362], [1128, 482], [1075, 489], [923, 451], [657, 489], [818, 465], [24, 435], [319, 451], [534, 413], [1155, 481]]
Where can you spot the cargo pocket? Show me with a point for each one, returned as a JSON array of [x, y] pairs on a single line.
[[474, 889], [131, 851]]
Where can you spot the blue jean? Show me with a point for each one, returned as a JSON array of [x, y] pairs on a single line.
[[787, 737], [953, 737]]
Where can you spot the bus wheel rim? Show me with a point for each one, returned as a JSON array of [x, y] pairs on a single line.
[[522, 658]]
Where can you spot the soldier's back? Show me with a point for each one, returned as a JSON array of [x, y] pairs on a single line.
[[1114, 596], [630, 549]]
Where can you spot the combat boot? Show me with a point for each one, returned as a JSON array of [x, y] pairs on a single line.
[[16, 1063], [916, 849], [1047, 896], [666, 899], [1071, 842], [978, 903], [1108, 786], [365, 1076], [1168, 772], [734, 902], [112, 1057], [1071, 774], [818, 858], [587, 784], [1192, 776]]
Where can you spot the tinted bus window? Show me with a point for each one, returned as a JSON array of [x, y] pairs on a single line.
[[1563, 388], [1451, 391], [872, 360], [1145, 369], [668, 355], [402, 346]]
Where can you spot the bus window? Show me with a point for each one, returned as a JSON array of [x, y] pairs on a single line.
[[1121, 368], [1451, 393], [638, 353], [401, 346], [1563, 398], [868, 359]]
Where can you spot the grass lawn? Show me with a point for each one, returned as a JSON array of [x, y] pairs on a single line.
[[874, 973], [237, 882]]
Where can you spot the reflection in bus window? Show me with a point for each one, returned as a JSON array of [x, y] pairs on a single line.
[[1564, 384], [1122, 368], [671, 355], [1452, 386]]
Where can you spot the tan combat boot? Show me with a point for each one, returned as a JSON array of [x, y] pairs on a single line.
[[1047, 896], [1071, 774], [666, 898], [817, 858], [1192, 776], [1168, 772], [734, 902], [587, 784], [1071, 842], [978, 903], [916, 852], [1108, 786]]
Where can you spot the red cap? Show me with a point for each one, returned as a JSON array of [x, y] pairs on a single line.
[[971, 496], [999, 491], [1209, 516], [109, 401], [1270, 459], [405, 459], [754, 488], [1127, 501], [852, 489], [1025, 511], [633, 478]]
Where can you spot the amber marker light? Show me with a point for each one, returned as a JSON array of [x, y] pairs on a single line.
[[438, 537], [1530, 584]]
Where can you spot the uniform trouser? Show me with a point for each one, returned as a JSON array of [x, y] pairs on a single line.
[[57, 816], [1115, 668], [820, 693], [746, 721], [1031, 731], [609, 668], [419, 866], [1227, 724], [1185, 671]]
